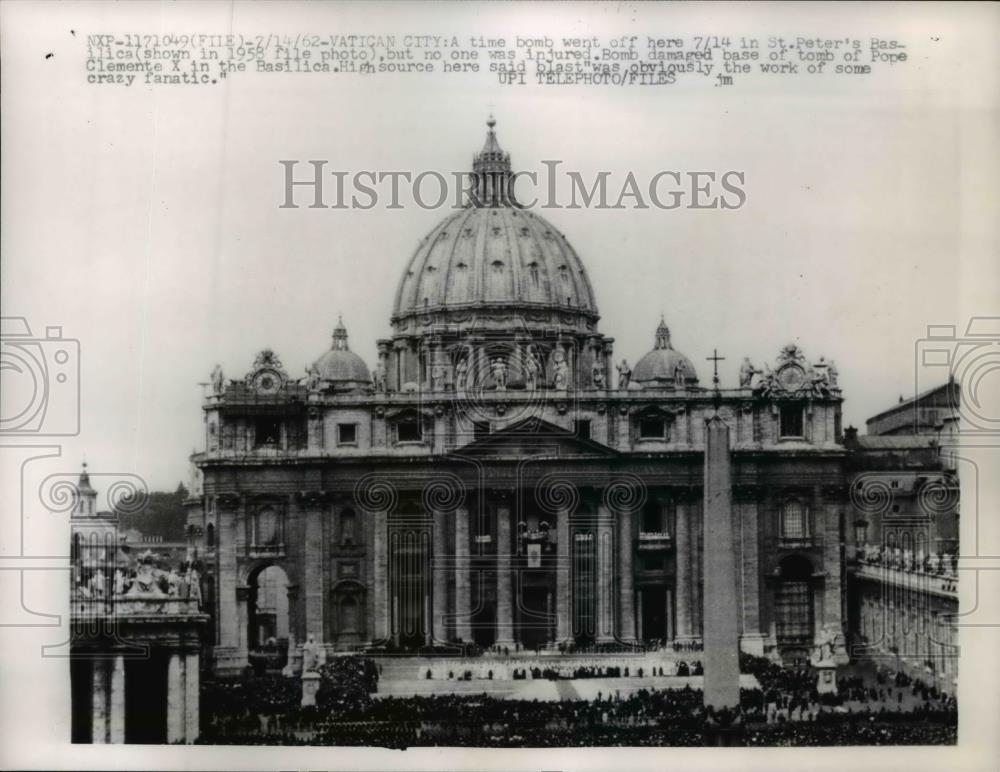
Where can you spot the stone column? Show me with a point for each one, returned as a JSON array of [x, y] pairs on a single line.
[[99, 697], [313, 569], [295, 630], [638, 616], [682, 558], [192, 684], [605, 575], [441, 569], [752, 640], [230, 656], [380, 570], [242, 619], [116, 719], [505, 626], [697, 571], [463, 594], [626, 589], [669, 621], [721, 622], [175, 698], [564, 563]]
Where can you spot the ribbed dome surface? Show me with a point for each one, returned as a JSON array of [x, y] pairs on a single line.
[[661, 365], [494, 255]]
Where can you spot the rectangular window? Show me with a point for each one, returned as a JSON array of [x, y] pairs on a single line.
[[793, 521], [267, 433], [408, 431], [791, 421], [652, 429], [347, 434], [581, 427]]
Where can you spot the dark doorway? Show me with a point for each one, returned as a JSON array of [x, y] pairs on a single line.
[[793, 607], [584, 597], [484, 624], [534, 616], [146, 699], [409, 556], [82, 688], [654, 612]]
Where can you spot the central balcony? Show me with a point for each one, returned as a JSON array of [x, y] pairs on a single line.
[[654, 540]]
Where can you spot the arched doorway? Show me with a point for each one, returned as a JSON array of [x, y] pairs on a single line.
[[793, 606], [267, 616]]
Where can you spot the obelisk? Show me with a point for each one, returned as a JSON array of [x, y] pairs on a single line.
[[720, 617]]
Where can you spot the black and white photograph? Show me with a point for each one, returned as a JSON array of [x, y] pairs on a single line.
[[499, 385]]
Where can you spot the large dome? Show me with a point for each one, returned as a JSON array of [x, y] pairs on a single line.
[[493, 255], [664, 366], [498, 256]]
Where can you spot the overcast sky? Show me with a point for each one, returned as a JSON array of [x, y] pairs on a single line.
[[145, 221]]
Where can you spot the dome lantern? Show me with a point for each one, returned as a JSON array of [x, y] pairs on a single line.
[[340, 336], [491, 172]]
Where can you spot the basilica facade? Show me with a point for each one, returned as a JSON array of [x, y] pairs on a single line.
[[497, 477]]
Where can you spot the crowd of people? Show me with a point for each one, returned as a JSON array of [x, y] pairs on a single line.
[[786, 710], [501, 669]]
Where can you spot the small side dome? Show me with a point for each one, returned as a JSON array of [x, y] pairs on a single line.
[[340, 366], [663, 367]]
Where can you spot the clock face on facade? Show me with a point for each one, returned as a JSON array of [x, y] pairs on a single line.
[[791, 378], [267, 381]]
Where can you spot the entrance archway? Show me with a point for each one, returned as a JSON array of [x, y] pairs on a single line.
[[267, 609]]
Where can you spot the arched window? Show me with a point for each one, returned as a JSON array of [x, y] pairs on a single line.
[[210, 535], [348, 523], [794, 520]]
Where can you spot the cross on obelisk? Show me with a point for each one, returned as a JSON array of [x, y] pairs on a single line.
[[717, 395]]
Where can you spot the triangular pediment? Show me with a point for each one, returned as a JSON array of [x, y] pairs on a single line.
[[534, 437]]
